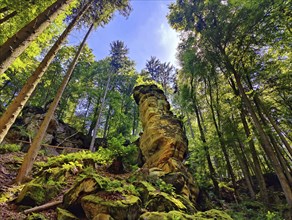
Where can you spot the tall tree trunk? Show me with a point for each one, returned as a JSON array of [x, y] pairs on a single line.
[[15, 45], [242, 159], [7, 17], [221, 141], [207, 153], [86, 113], [36, 144], [16, 106], [257, 167], [107, 122], [190, 125], [91, 147], [266, 144], [260, 106]]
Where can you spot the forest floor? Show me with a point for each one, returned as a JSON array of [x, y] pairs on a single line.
[[9, 166], [10, 163]]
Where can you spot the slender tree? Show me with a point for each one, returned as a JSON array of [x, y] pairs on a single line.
[[36, 143], [15, 45], [16, 106]]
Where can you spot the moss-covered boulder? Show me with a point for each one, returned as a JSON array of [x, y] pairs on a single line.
[[86, 186], [144, 188], [63, 214], [36, 194], [213, 214], [165, 216], [208, 215], [113, 204], [163, 202]]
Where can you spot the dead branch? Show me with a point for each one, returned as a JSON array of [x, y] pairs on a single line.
[[43, 207]]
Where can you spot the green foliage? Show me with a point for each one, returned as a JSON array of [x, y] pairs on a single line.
[[253, 210], [7, 148], [164, 187], [118, 149], [102, 156]]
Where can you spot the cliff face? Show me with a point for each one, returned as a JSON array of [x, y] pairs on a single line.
[[163, 143]]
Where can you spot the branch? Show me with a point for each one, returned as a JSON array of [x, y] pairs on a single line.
[[43, 207]]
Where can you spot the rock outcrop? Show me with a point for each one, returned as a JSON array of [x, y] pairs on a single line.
[[58, 132], [163, 144]]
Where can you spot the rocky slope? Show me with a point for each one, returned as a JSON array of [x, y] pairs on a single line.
[[82, 185]]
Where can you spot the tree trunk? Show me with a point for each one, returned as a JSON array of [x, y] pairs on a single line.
[[260, 106], [4, 9], [257, 167], [15, 45], [222, 142], [266, 144], [6, 18], [242, 159], [86, 113], [209, 161], [91, 147], [190, 125], [36, 144], [107, 122], [16, 106]]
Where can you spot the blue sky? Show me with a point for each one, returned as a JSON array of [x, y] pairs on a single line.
[[145, 32]]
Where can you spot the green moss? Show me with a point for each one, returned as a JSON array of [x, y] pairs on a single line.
[[85, 186], [32, 194], [177, 215], [172, 215], [127, 207], [63, 214], [38, 191], [123, 203], [225, 186], [36, 216], [213, 214], [160, 201], [7, 148]]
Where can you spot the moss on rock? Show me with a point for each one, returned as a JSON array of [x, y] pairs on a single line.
[[32, 194], [213, 214], [86, 186], [117, 206], [63, 214], [208, 215], [163, 202]]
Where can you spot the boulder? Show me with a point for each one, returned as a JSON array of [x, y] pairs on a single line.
[[72, 198], [112, 204], [208, 215], [63, 214]]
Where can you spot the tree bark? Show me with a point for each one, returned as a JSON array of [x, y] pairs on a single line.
[[17, 105], [4, 9], [6, 18], [15, 45], [36, 144]]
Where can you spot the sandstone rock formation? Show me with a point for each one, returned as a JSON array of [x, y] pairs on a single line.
[[163, 143]]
